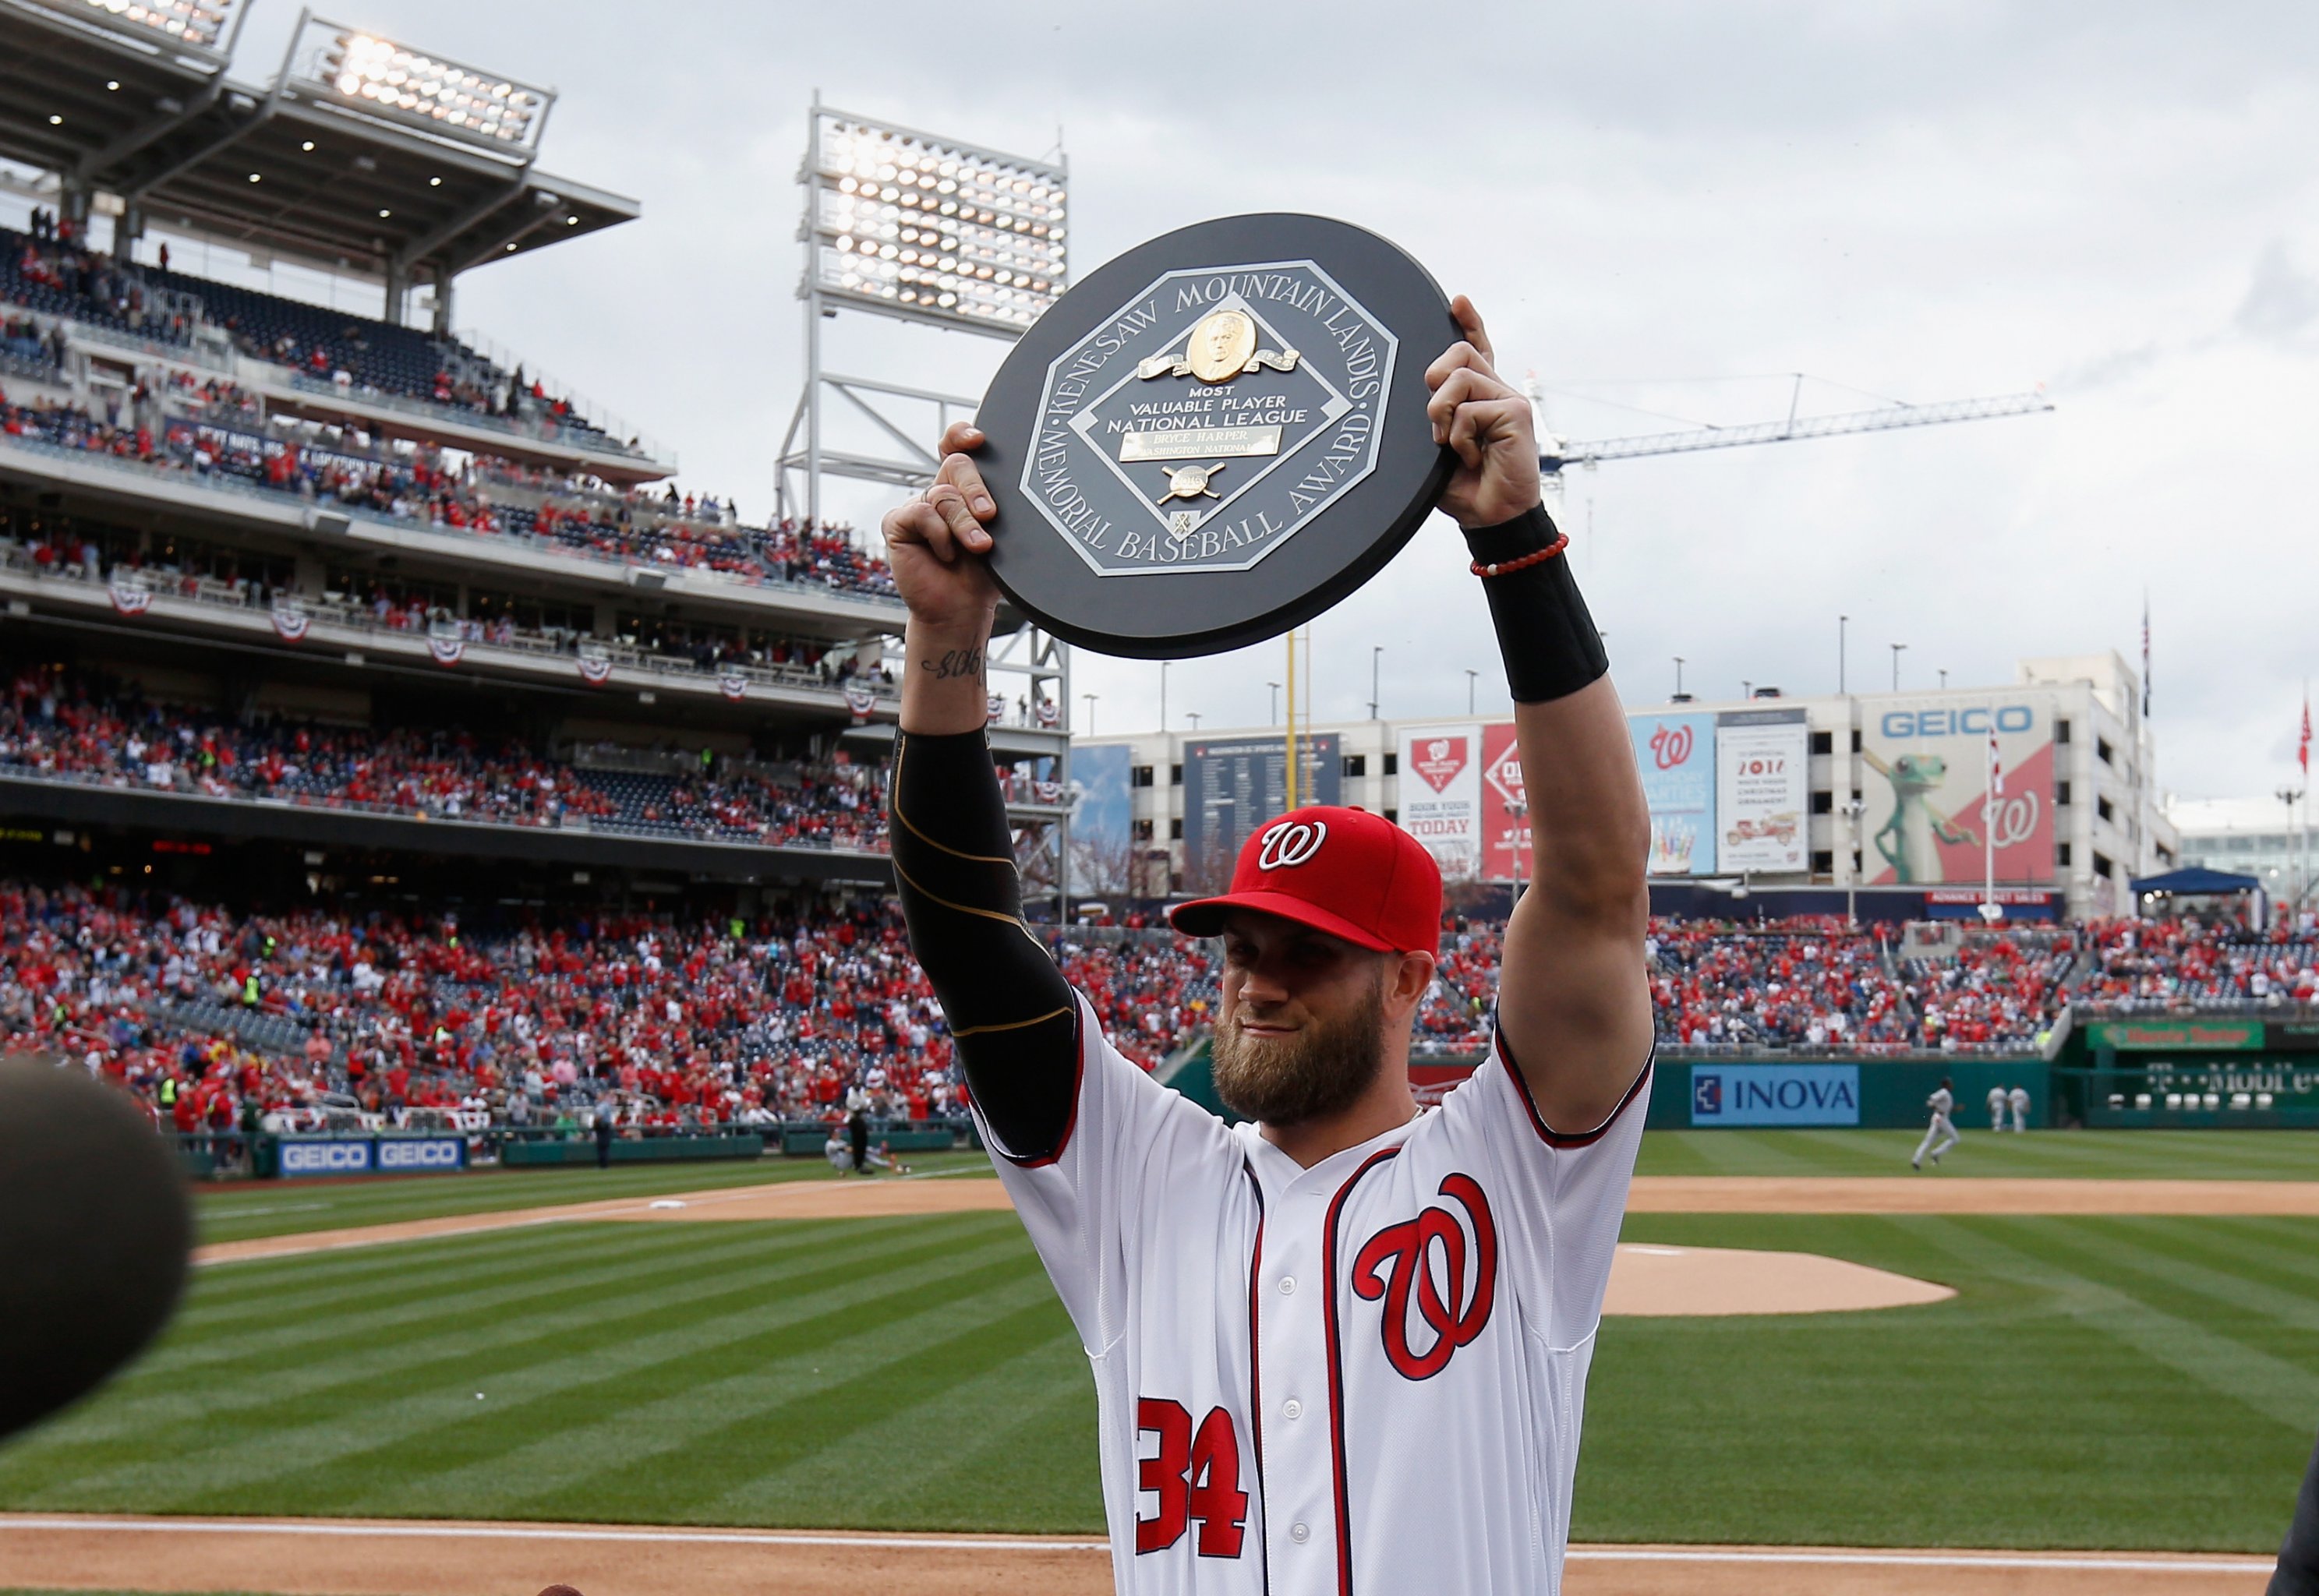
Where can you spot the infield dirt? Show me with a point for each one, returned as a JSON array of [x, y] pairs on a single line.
[[841, 1198], [359, 1557]]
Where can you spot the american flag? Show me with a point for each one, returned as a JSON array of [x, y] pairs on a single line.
[[1995, 767], [2303, 747], [2145, 656]]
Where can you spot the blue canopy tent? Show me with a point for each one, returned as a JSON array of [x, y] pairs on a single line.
[[2203, 883], [2211, 883]]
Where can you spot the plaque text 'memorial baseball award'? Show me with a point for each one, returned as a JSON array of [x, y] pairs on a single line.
[[1217, 435]]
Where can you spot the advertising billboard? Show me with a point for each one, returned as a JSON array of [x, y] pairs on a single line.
[[1441, 795], [1775, 1095], [1676, 756], [1930, 812], [1763, 766], [1102, 819], [1504, 819], [1233, 785]]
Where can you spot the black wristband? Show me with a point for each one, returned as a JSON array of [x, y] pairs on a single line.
[[1544, 634]]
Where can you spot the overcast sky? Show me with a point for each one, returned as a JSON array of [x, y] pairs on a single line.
[[1660, 204]]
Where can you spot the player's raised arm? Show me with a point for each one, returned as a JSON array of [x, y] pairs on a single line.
[[1574, 998], [1010, 1011]]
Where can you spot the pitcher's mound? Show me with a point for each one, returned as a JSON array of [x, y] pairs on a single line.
[[1652, 1281]]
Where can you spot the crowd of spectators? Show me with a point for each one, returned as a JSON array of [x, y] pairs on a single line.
[[810, 1012], [1810, 981], [2159, 964], [476, 496], [82, 726], [793, 1015], [1998, 989]]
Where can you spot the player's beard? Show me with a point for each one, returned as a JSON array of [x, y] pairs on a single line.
[[1320, 1070]]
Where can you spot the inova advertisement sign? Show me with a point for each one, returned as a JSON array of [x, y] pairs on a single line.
[[1929, 808], [1441, 800]]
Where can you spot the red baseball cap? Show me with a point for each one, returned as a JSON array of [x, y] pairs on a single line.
[[1345, 871]]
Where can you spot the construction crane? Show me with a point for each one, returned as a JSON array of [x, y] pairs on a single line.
[[1556, 451]]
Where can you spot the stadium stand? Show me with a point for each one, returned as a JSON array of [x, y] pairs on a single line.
[[726, 1020], [213, 440], [793, 1013], [315, 342], [2200, 964], [61, 724]]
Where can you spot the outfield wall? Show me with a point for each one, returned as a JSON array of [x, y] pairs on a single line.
[[2184, 1071], [1691, 1092]]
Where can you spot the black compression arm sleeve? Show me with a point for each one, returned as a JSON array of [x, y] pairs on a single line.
[[1010, 1011], [1544, 634], [2298, 1559]]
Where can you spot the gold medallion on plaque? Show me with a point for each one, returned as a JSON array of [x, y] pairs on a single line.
[[1221, 346], [1190, 482]]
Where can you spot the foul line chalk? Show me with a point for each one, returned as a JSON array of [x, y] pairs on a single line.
[[1597, 1554]]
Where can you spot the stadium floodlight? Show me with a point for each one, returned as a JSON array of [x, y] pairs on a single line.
[[359, 69], [198, 25], [929, 228]]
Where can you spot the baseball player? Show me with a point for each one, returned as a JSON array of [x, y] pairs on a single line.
[[1342, 1345], [1942, 1134], [2019, 1098], [1996, 1108]]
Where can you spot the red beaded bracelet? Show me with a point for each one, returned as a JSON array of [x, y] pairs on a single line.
[[1535, 556]]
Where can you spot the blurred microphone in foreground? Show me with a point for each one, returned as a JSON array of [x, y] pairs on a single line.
[[96, 1236]]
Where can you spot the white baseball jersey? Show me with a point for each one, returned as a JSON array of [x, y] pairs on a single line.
[[1364, 1376], [1995, 1100], [1941, 1102], [2019, 1098]]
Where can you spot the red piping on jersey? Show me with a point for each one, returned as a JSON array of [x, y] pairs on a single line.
[[1336, 1367], [1078, 1085], [1256, 1376], [1552, 1137]]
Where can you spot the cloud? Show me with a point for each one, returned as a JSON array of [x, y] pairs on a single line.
[[1925, 201], [2282, 301]]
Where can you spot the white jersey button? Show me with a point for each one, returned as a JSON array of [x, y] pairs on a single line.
[[1293, 1408], [1287, 1284], [1299, 1534]]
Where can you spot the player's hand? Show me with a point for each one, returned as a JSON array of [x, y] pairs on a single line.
[[936, 542], [1486, 423]]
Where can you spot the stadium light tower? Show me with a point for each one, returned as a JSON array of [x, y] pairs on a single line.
[[921, 228], [197, 28], [934, 231], [356, 69]]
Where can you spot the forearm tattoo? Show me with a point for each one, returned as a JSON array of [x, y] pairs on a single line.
[[956, 665]]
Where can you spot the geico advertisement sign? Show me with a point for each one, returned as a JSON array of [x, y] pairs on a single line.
[[435, 1153], [326, 1157], [1933, 810]]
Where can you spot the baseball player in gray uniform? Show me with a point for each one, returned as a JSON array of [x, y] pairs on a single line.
[[1343, 1346], [1942, 1134]]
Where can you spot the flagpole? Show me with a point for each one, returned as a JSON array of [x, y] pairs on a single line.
[[1290, 727], [1989, 910]]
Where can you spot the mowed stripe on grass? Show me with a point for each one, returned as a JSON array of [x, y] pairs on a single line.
[[2060, 1155], [2099, 1382], [633, 1370], [2103, 1383]]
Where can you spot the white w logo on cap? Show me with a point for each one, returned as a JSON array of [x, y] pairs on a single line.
[[1291, 842]]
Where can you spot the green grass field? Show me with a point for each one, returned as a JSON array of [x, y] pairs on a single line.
[[2076, 1155], [244, 1209], [2098, 1383], [237, 1212]]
